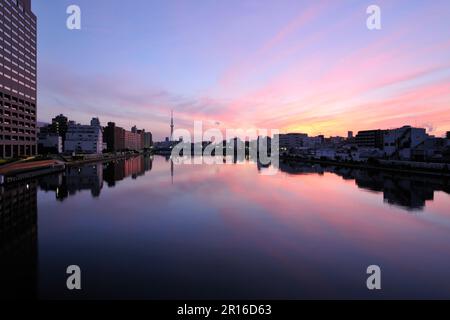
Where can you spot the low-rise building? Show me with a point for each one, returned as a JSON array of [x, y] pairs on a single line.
[[49, 143], [114, 137], [370, 138], [431, 150], [291, 141], [84, 138], [148, 140], [399, 143]]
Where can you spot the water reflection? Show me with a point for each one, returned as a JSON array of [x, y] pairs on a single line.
[[404, 190], [155, 230], [91, 177], [18, 240], [410, 192]]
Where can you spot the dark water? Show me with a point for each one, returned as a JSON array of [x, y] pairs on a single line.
[[145, 228]]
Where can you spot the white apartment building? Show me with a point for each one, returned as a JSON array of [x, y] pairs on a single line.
[[399, 143], [84, 138]]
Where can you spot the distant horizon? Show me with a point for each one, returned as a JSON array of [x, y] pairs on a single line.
[[296, 66]]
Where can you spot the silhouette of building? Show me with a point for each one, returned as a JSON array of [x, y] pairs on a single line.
[[370, 138], [148, 140], [448, 135], [17, 79], [59, 126], [114, 137], [291, 141], [49, 143]]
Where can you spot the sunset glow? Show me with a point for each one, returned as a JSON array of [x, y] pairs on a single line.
[[297, 66]]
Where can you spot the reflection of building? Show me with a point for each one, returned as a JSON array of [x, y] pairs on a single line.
[[408, 191], [91, 177], [134, 167], [75, 179], [119, 170], [17, 79], [84, 138], [18, 241], [88, 177]]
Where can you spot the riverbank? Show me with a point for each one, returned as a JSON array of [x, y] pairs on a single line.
[[368, 166], [28, 169], [22, 170]]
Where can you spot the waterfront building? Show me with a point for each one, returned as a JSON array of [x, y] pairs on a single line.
[[119, 139], [370, 138], [431, 149], [399, 143], [291, 141], [84, 138], [133, 141], [114, 137], [59, 126], [18, 132], [49, 142], [148, 140]]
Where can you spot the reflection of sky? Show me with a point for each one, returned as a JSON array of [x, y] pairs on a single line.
[[295, 65], [225, 231]]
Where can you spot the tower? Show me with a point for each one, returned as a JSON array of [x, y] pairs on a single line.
[[171, 127]]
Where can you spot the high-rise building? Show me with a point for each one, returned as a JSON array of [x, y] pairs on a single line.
[[17, 79]]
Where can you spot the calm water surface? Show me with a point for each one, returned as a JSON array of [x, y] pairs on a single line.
[[145, 228]]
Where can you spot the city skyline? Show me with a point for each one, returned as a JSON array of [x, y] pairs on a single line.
[[294, 66]]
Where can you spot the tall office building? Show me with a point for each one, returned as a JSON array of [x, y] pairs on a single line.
[[17, 79]]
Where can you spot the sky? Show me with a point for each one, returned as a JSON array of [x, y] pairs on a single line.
[[291, 65]]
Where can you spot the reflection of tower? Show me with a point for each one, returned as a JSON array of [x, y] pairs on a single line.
[[171, 169], [171, 127]]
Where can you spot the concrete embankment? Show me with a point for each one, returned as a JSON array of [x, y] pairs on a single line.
[[23, 170]]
